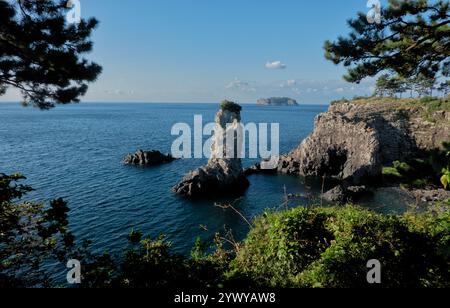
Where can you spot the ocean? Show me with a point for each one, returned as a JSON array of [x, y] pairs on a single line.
[[75, 152]]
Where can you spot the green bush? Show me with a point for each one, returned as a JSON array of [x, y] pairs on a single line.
[[230, 106], [281, 245], [433, 170], [330, 247], [417, 173]]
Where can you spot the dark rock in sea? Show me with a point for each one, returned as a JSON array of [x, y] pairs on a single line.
[[256, 169], [342, 194], [218, 177], [277, 101], [353, 141], [222, 175], [147, 158]]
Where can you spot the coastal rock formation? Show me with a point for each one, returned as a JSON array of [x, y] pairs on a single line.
[[353, 140], [223, 173], [147, 158], [427, 196], [277, 101], [256, 169], [342, 194]]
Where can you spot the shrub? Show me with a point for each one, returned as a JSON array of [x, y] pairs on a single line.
[[331, 247], [281, 245]]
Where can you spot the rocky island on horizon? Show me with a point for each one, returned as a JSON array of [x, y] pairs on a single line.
[[277, 101]]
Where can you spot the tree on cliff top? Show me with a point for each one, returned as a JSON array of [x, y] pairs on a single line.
[[41, 53], [412, 38]]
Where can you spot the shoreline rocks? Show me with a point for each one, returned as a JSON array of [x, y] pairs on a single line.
[[353, 141], [223, 174], [147, 158], [343, 194]]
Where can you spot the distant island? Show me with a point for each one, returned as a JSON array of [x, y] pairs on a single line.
[[277, 101]]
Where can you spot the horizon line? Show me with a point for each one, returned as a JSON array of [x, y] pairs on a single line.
[[155, 102]]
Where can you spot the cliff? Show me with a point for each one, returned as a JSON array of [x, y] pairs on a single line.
[[353, 140], [277, 101]]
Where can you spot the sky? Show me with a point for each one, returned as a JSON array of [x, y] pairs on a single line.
[[210, 50]]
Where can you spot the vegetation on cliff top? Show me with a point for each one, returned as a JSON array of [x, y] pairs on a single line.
[[429, 105]]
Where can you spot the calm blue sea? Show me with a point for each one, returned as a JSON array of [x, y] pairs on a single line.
[[75, 152]]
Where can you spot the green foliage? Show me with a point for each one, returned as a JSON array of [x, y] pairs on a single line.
[[402, 115], [151, 264], [281, 245], [9, 189], [432, 170], [135, 236], [411, 39], [390, 86], [445, 179], [303, 247], [331, 247], [30, 234], [440, 160], [416, 173], [391, 172], [444, 159], [230, 106], [199, 250], [42, 55]]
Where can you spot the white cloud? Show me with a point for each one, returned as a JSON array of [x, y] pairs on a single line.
[[304, 90], [291, 83], [119, 92], [240, 85], [275, 65]]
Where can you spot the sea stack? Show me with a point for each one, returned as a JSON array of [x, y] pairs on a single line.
[[223, 174]]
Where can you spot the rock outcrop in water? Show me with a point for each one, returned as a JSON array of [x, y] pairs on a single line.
[[277, 101], [223, 174], [147, 158], [354, 140]]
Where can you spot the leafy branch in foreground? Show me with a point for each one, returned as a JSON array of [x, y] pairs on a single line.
[[30, 234], [42, 55], [413, 38]]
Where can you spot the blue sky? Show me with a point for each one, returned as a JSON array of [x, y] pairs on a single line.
[[208, 50]]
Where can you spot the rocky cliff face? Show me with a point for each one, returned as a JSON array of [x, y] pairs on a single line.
[[353, 140], [223, 174]]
